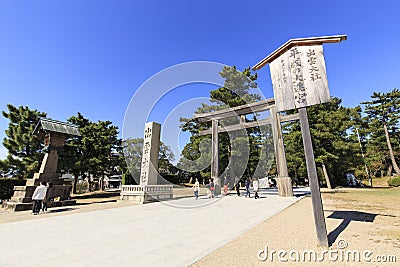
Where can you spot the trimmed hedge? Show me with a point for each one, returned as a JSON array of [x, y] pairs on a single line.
[[394, 181], [7, 187]]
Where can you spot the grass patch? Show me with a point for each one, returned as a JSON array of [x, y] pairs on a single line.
[[376, 200], [392, 233], [375, 192]]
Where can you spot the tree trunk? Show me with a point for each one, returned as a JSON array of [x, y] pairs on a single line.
[[328, 181], [75, 182], [390, 170], [395, 167], [89, 182]]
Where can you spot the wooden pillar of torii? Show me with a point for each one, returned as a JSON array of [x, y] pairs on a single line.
[[283, 180]]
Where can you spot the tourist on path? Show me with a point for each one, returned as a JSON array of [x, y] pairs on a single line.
[[255, 187], [38, 196], [47, 199], [196, 189], [211, 186], [247, 185], [237, 185], [226, 184]]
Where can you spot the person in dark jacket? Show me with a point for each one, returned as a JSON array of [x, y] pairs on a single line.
[[247, 185]]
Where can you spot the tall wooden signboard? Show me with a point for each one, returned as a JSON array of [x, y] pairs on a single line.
[[299, 80]]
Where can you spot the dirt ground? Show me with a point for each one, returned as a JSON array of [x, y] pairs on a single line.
[[358, 220]]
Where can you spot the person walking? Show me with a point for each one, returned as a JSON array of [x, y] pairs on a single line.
[[255, 187], [211, 186], [46, 200], [38, 195], [226, 184], [196, 189], [247, 185], [237, 185]]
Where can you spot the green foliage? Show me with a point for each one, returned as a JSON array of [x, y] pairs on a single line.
[[23, 147], [127, 178], [92, 152], [334, 142], [82, 187], [7, 187], [394, 181], [95, 152], [133, 150], [380, 131], [4, 167], [232, 148]]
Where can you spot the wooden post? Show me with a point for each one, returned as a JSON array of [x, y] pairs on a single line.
[[215, 157], [283, 180], [275, 137], [313, 180]]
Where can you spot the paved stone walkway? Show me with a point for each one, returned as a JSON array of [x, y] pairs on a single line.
[[173, 233]]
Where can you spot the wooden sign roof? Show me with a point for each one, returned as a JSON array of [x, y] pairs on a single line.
[[298, 42], [50, 125]]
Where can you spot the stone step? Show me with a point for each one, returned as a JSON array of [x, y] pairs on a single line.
[[14, 206], [21, 199]]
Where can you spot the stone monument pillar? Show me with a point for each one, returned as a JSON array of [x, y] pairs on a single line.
[[151, 147], [148, 190]]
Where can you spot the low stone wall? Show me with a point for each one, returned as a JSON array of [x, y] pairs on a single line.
[[146, 193]]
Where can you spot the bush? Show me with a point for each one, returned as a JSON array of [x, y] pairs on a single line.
[[7, 187], [394, 181], [82, 187], [174, 179], [127, 179]]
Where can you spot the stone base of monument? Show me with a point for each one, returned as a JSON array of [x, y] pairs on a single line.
[[22, 198], [15, 206], [146, 193], [217, 190], [284, 185]]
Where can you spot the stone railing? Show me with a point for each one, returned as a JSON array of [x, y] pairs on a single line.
[[146, 193], [146, 188]]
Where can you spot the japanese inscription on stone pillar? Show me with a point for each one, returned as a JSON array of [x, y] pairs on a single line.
[[299, 78], [151, 145]]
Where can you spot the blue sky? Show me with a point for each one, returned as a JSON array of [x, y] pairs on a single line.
[[62, 57]]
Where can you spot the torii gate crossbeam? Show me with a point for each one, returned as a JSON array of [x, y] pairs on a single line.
[[284, 182]]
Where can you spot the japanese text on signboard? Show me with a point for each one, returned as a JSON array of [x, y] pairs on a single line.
[[299, 78]]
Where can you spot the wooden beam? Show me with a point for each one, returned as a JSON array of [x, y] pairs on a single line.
[[298, 42], [252, 124], [291, 117], [235, 127], [254, 107]]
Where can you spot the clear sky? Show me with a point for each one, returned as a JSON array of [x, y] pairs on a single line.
[[65, 56]]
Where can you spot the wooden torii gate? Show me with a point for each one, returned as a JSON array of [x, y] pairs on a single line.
[[283, 180], [299, 80]]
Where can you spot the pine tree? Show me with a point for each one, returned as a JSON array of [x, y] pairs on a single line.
[[235, 92], [383, 110], [90, 154], [335, 145], [24, 148], [133, 151]]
